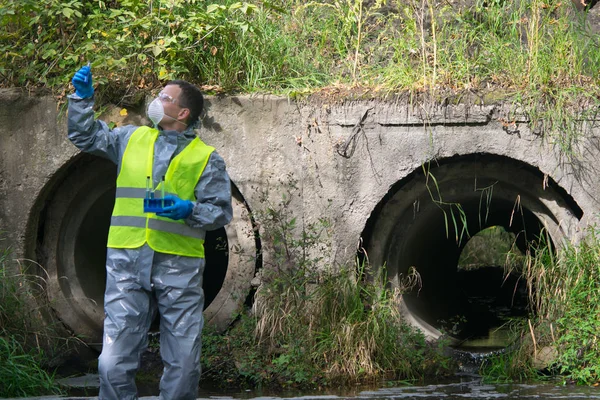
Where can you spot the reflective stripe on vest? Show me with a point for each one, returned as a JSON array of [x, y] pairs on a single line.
[[130, 226]]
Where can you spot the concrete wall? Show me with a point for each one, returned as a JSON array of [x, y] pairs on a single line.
[[266, 140]]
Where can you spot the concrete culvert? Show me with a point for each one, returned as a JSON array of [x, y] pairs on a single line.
[[71, 247], [420, 224]]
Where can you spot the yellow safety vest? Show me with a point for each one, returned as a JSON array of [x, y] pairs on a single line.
[[130, 226]]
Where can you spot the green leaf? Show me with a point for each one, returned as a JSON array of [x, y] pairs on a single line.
[[67, 12], [214, 7], [49, 53], [156, 50], [248, 8]]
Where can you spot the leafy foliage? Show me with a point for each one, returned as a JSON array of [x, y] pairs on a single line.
[[539, 50], [131, 44]]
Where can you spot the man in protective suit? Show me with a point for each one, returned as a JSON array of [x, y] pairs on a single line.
[[154, 260]]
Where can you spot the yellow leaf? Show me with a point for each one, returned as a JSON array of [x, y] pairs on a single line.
[[156, 50], [123, 112]]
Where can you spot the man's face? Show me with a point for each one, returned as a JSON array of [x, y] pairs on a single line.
[[170, 100]]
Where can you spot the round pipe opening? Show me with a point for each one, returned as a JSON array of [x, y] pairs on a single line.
[[425, 223]]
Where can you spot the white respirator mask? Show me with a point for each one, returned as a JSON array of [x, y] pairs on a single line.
[[156, 112]]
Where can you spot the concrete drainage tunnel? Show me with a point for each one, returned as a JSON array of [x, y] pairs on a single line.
[[416, 226], [411, 227]]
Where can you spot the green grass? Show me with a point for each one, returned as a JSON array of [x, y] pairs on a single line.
[[21, 373], [306, 333], [22, 355], [538, 55], [267, 46], [312, 324], [569, 296], [565, 296]]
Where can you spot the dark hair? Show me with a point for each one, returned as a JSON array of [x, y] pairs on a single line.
[[190, 97]]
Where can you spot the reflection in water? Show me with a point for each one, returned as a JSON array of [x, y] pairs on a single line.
[[462, 386], [473, 388]]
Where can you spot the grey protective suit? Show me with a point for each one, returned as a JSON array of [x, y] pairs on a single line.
[[141, 280]]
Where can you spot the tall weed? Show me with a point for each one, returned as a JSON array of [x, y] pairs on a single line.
[[575, 307], [313, 324], [22, 342], [21, 373], [346, 320], [564, 290]]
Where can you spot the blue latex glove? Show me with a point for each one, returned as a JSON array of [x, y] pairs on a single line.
[[82, 80], [179, 210]]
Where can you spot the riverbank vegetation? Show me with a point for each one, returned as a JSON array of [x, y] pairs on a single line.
[[314, 325], [562, 336], [539, 55], [22, 354], [310, 331]]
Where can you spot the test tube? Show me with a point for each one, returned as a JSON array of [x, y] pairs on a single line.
[[162, 188], [147, 187], [87, 77]]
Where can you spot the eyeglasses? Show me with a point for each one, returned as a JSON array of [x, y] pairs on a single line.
[[166, 98]]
